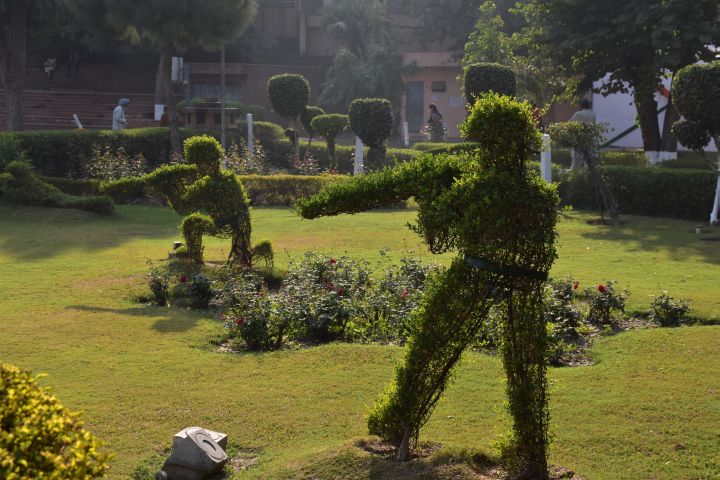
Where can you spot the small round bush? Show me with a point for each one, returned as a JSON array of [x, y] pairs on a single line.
[[310, 112], [39, 438], [205, 152], [193, 227], [372, 120], [289, 94], [504, 127], [667, 311], [488, 77], [696, 94], [330, 126]]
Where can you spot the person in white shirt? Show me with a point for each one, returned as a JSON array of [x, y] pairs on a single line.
[[584, 115], [119, 121]]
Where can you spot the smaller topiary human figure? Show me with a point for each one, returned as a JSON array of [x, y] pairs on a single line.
[[372, 120], [696, 93], [330, 126], [213, 200]]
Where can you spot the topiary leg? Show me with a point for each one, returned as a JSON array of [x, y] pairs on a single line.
[[455, 306], [193, 227]]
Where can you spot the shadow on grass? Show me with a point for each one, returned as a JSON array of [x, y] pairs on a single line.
[[36, 233], [172, 320], [675, 237]]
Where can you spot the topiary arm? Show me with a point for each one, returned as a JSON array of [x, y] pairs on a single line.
[[425, 177]]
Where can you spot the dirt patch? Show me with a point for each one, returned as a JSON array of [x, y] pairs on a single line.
[[384, 449]]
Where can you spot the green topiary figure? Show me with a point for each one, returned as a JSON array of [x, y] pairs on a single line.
[[696, 93], [500, 217], [39, 438], [289, 95], [330, 126], [488, 77], [213, 200], [372, 120]]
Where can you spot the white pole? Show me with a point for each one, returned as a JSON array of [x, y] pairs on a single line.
[[358, 169], [546, 159], [716, 206], [250, 139], [406, 134]]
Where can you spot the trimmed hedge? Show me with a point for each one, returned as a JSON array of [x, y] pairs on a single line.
[[488, 77], [674, 193]]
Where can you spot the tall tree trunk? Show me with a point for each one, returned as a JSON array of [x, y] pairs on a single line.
[[12, 60], [646, 107], [669, 141], [173, 119]]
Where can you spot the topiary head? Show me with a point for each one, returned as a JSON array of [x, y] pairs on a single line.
[[330, 126], [372, 120], [289, 94], [488, 77], [504, 127], [696, 95], [310, 112], [205, 152]]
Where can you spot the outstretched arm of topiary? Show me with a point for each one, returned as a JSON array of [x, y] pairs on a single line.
[[423, 178]]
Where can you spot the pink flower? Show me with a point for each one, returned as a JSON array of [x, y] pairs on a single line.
[[576, 285], [602, 288], [332, 261], [183, 278], [239, 321]]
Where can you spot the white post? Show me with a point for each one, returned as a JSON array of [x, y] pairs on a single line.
[[250, 139], [546, 159], [359, 168], [406, 134], [716, 206]]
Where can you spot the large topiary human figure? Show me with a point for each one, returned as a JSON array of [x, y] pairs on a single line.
[[696, 93], [372, 120], [330, 126], [488, 77], [213, 201], [500, 217]]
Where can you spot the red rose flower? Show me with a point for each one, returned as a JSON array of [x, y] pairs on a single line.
[[260, 293], [602, 288], [340, 291], [576, 285], [239, 321], [183, 279], [405, 293], [332, 261]]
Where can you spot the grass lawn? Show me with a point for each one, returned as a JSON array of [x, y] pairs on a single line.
[[648, 409]]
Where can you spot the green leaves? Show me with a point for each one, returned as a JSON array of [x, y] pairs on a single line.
[[289, 94]]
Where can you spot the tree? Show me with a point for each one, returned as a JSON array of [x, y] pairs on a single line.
[[625, 45], [171, 28], [697, 98], [371, 66], [289, 94], [18, 20], [330, 126], [372, 120]]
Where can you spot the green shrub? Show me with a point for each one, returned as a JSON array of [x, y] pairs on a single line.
[[306, 118], [20, 185], [668, 312], [258, 112], [200, 291], [39, 438], [263, 251], [125, 190], [10, 149], [159, 282], [193, 227], [72, 186], [285, 190], [696, 92], [659, 192], [488, 77], [330, 126], [372, 120], [426, 146], [289, 94], [604, 303], [624, 158], [205, 152]]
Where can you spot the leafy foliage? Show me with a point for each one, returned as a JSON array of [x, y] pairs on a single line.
[[193, 227], [667, 311], [39, 437], [696, 91], [372, 120], [19, 184], [488, 77], [330, 126], [310, 112], [604, 303], [289, 94]]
